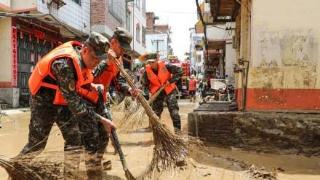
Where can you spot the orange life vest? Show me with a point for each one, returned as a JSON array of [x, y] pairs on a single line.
[[192, 85], [106, 77], [43, 69], [156, 81]]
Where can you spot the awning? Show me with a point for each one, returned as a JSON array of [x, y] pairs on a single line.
[[216, 44], [224, 10]]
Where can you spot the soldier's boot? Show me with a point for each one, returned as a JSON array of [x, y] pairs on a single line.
[[71, 163], [93, 166]]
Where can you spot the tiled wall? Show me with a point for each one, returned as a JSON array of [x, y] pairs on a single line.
[[73, 14]]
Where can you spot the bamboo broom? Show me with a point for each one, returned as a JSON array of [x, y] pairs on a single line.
[[23, 169], [136, 119], [169, 148]]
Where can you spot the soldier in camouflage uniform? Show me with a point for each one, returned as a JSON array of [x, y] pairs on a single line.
[[107, 71], [76, 115], [156, 75]]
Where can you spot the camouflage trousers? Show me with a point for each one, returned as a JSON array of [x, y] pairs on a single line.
[[43, 115], [94, 139], [77, 133], [172, 104]]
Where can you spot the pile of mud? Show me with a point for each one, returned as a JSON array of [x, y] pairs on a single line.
[[261, 173], [35, 170]]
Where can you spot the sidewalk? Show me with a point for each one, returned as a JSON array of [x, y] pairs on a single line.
[[14, 111]]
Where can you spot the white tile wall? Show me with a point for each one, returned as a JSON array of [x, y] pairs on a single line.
[[72, 14], [138, 18]]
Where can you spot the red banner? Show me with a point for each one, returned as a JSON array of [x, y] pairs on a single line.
[[14, 40], [39, 34]]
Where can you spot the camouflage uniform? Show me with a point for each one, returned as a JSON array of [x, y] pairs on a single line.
[[122, 87], [78, 121], [170, 99], [124, 38], [44, 114]]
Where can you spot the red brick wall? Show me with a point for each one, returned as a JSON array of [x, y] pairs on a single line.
[[156, 28], [161, 28], [112, 22], [150, 20], [101, 16], [98, 12]]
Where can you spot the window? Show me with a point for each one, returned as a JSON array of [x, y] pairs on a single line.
[[144, 36], [138, 33], [117, 9], [77, 1]]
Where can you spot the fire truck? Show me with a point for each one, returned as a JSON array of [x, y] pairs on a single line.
[[182, 84]]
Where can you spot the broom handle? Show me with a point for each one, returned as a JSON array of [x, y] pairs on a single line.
[[118, 148], [152, 115], [153, 97], [114, 136]]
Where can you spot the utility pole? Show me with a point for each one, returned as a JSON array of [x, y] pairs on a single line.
[[157, 43]]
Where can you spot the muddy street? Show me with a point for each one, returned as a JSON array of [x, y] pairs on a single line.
[[211, 163]]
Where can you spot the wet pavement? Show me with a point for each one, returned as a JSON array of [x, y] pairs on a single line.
[[213, 163]]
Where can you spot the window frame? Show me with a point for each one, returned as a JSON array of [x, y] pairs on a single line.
[[79, 2]]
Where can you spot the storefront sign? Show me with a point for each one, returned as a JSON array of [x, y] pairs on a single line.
[[39, 34]]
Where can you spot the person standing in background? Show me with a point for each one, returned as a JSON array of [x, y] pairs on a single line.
[[192, 88]]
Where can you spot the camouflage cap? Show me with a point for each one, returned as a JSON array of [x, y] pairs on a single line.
[[99, 43], [148, 57], [124, 38]]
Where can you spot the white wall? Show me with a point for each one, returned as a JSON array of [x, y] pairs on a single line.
[[23, 4], [214, 33], [285, 44], [72, 14], [230, 60], [137, 17], [6, 50]]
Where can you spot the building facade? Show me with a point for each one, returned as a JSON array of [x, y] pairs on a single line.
[[158, 37], [277, 53], [106, 15], [219, 53], [24, 40], [196, 52], [284, 55], [136, 25]]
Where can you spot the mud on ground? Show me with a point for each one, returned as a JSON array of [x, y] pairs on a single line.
[[208, 162]]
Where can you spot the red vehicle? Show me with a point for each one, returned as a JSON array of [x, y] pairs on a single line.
[[182, 83]]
